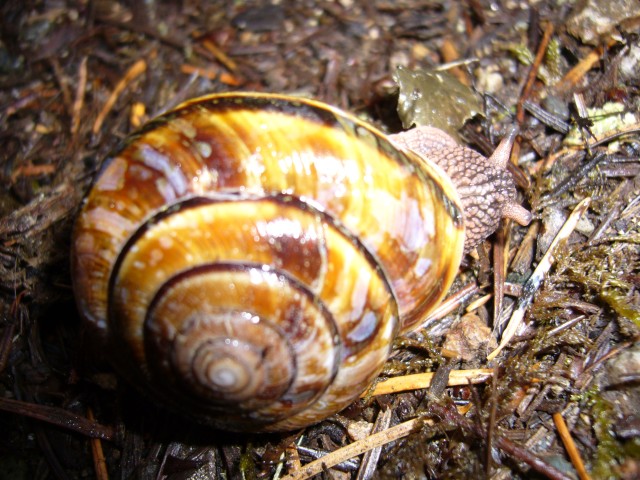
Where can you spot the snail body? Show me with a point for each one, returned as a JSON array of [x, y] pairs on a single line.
[[248, 259]]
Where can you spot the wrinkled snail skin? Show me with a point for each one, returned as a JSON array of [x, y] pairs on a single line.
[[485, 188], [248, 259]]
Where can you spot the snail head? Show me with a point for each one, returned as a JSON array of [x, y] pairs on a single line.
[[485, 188]]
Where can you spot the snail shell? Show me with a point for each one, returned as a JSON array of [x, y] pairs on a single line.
[[248, 259]]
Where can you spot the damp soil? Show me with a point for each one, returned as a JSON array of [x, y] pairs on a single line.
[[77, 77]]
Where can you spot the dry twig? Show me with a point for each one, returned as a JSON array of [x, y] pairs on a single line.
[[59, 417], [423, 380], [534, 282], [574, 455], [357, 448], [76, 111], [134, 71], [99, 461]]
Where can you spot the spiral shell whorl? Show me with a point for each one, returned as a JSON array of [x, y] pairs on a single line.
[[254, 343], [263, 225]]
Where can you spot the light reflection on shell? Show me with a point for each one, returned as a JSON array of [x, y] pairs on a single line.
[[249, 258]]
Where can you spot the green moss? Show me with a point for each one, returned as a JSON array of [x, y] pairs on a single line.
[[522, 54], [553, 58], [247, 464], [609, 452], [620, 305]]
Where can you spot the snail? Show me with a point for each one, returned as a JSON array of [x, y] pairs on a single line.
[[247, 259]]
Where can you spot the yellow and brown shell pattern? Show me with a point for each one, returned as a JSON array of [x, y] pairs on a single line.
[[249, 258]]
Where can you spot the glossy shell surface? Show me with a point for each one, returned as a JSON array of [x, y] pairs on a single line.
[[249, 258]]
